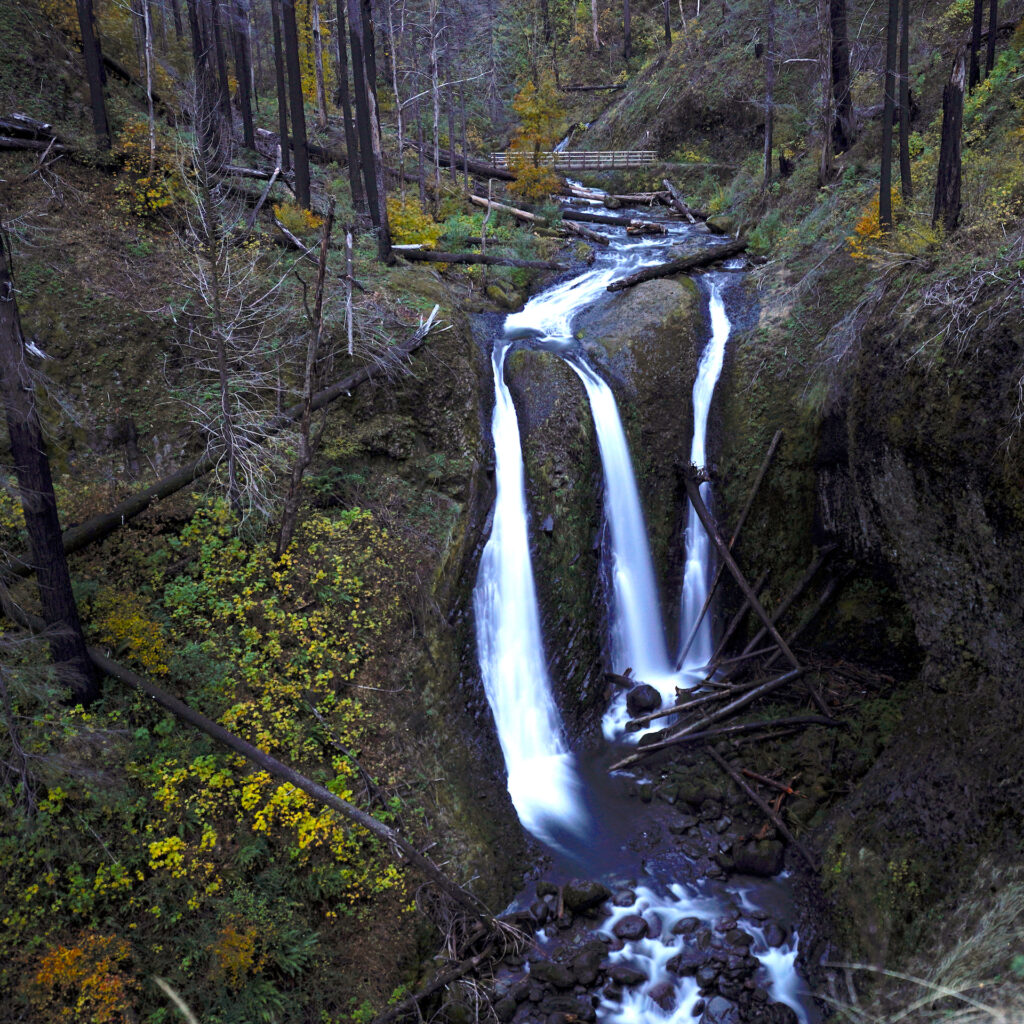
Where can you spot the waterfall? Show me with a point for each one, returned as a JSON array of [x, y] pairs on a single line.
[[638, 640], [542, 780], [698, 544]]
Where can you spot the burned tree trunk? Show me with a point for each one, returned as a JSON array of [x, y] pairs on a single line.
[[243, 70], [888, 112], [769, 93], [975, 75], [94, 72], [35, 484], [947, 183], [844, 127], [282, 89], [906, 184], [356, 42], [344, 99], [298, 112]]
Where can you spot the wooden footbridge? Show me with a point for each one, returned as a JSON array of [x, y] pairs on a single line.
[[577, 160]]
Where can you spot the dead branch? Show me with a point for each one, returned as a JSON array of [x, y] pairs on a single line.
[[758, 480], [680, 205], [756, 798]]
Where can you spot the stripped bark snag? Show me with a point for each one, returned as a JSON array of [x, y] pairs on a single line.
[[703, 258], [773, 815], [740, 523]]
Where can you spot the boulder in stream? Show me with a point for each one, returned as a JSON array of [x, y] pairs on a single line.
[[581, 895], [642, 699], [631, 927], [762, 859]]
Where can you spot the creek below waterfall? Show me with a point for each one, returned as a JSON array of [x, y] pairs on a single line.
[[635, 918]]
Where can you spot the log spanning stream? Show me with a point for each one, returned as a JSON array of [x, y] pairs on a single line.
[[555, 796]]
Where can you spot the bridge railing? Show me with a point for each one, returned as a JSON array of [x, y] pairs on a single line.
[[578, 160]]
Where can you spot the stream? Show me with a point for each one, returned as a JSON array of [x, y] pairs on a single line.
[[655, 936]]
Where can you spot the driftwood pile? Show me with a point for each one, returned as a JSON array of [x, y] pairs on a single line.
[[731, 684]]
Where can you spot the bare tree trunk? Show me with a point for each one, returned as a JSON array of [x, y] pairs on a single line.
[[993, 24], [349, 281], [243, 69], [450, 102], [310, 383], [282, 89], [151, 114], [393, 48], [222, 66], [421, 145], [769, 93], [947, 182], [345, 100], [356, 42], [465, 136], [594, 37], [435, 95], [627, 32], [906, 184], [35, 484], [844, 128], [667, 6], [318, 64], [361, 24], [975, 75], [885, 184], [298, 111], [179, 30], [825, 79], [93, 72]]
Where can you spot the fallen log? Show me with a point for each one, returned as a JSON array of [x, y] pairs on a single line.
[[740, 523], [478, 168], [490, 204], [51, 145], [737, 619], [715, 716], [581, 231], [432, 256], [831, 587], [712, 530], [440, 980], [678, 203], [636, 198], [704, 258], [794, 595], [97, 527], [677, 709], [646, 227], [762, 804], [592, 88], [393, 840], [792, 724]]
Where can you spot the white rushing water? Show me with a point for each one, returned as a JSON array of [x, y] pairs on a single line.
[[638, 640], [542, 780], [698, 544]]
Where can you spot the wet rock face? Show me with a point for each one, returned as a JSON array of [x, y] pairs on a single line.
[[646, 342], [562, 483]]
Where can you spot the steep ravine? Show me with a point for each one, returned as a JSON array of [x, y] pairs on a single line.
[[907, 457]]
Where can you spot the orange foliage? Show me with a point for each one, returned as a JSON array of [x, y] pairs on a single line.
[[85, 982]]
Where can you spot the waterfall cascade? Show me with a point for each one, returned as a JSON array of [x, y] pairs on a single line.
[[543, 781]]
